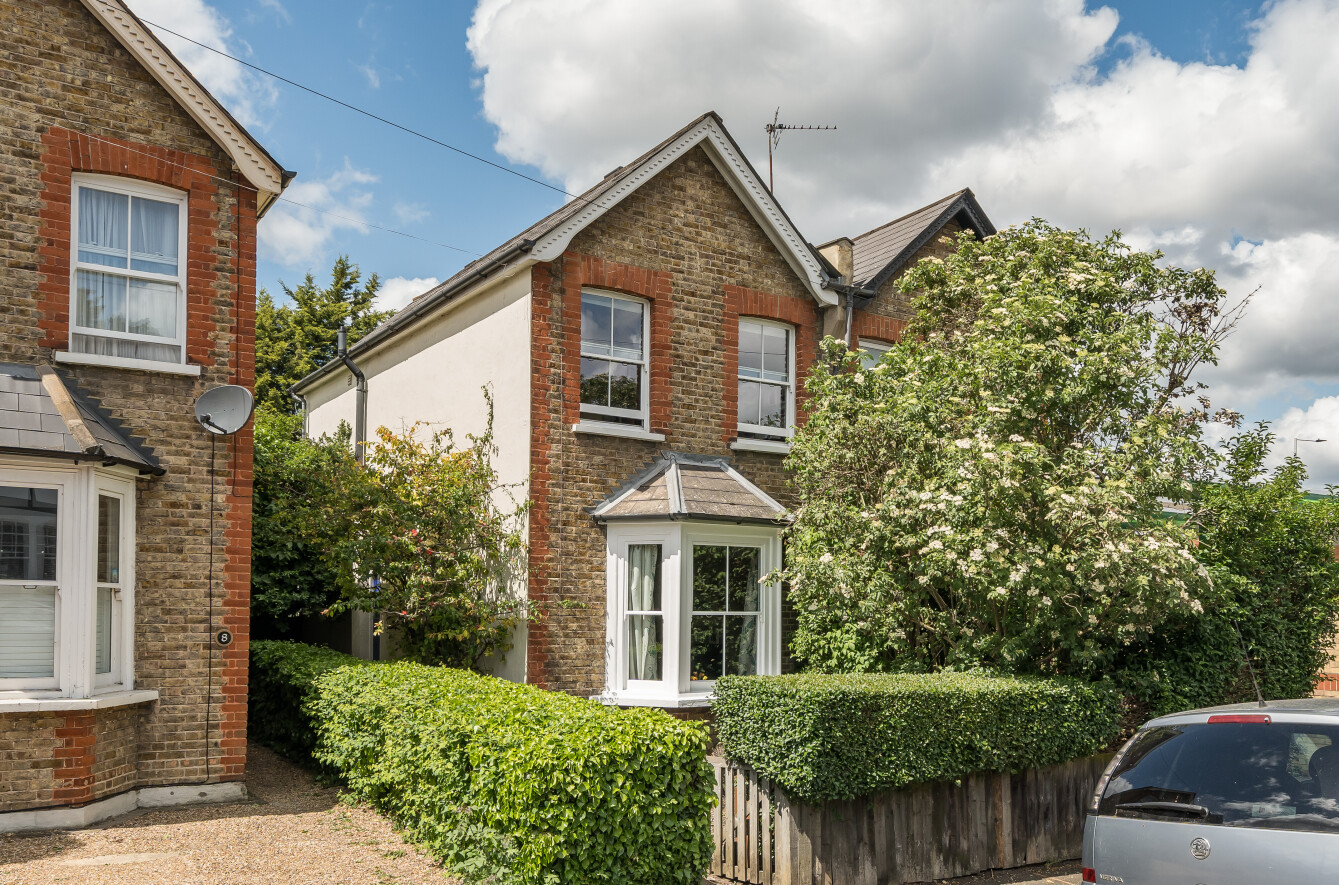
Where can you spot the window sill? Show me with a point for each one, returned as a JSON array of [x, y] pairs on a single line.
[[19, 704], [595, 428], [771, 446], [117, 362], [686, 701]]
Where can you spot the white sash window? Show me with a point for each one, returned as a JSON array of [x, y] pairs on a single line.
[[128, 274], [66, 582], [614, 382], [766, 404]]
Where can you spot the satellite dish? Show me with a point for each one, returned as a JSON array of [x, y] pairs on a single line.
[[224, 410]]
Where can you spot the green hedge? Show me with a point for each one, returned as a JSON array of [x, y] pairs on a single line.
[[841, 737], [283, 680], [497, 779]]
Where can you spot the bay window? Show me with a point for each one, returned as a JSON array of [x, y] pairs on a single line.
[[687, 605], [766, 404], [66, 562], [128, 276], [614, 332]]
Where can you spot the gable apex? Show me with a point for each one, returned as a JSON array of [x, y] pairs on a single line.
[[256, 165], [709, 132]]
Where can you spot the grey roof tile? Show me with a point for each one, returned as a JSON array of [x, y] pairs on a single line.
[[877, 254], [701, 488]]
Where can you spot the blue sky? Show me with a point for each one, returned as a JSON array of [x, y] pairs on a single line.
[[1202, 127]]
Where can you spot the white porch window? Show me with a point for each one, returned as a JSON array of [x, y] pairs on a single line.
[[687, 605], [871, 351], [128, 274], [766, 404], [614, 331], [66, 562]]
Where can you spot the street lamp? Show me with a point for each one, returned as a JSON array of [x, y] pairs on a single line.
[[1297, 439]]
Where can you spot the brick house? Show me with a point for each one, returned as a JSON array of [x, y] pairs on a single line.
[[128, 289], [646, 346]]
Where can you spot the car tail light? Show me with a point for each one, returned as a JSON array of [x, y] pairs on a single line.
[[1240, 718], [1089, 874]]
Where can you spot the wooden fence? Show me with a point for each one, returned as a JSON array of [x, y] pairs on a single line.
[[929, 831]]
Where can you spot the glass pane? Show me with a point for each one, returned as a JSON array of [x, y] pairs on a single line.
[[772, 405], [135, 350], [705, 659], [709, 578], [595, 382], [1278, 775], [748, 402], [871, 353], [750, 350], [741, 646], [645, 648], [625, 386], [109, 540], [100, 301], [628, 330], [595, 324], [153, 309], [102, 227], [153, 236], [745, 570], [103, 640], [644, 577], [27, 534], [776, 353], [27, 632]]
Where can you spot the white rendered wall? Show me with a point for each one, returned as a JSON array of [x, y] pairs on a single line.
[[435, 374]]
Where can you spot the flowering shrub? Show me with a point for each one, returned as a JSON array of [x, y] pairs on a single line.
[[988, 493]]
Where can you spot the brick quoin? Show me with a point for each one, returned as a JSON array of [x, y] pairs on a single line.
[[803, 316], [75, 759]]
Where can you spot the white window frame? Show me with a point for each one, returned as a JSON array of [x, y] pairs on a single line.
[[593, 413], [872, 350], [759, 430], [675, 688], [130, 188], [78, 488]]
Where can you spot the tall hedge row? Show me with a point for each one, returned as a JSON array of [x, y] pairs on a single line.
[[492, 776], [283, 681], [841, 737]]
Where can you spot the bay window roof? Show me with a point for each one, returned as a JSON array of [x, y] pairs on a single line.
[[680, 486], [42, 415]]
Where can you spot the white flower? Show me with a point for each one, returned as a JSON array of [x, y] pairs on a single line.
[[989, 456], [825, 558], [963, 443], [936, 544], [977, 556], [859, 378], [1013, 437], [1046, 600], [1032, 591]]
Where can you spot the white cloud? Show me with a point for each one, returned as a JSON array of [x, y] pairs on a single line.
[[279, 10], [369, 72], [245, 94], [397, 292], [1319, 421], [411, 213], [299, 236], [999, 96]]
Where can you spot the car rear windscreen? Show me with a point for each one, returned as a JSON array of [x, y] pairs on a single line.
[[1277, 775]]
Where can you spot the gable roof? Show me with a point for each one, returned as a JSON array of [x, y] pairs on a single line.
[[547, 238], [680, 486], [256, 165], [41, 415], [878, 254]]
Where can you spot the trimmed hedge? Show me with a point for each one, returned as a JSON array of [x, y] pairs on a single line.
[[283, 679], [500, 781], [841, 737]]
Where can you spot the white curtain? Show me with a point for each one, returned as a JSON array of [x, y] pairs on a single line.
[[644, 646], [102, 301], [103, 641], [134, 350], [153, 236], [103, 218], [27, 632], [153, 309]]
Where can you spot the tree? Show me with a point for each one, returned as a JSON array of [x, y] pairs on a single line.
[[294, 341], [435, 554], [988, 494], [1270, 552], [297, 521]]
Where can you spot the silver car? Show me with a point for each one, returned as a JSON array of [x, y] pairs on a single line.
[[1239, 795]]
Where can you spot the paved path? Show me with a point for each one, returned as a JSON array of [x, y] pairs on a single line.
[[293, 832]]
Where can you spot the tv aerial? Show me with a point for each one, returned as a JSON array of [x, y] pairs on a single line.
[[224, 410], [774, 130]]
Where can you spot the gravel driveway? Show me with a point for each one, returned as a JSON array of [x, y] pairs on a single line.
[[293, 832]]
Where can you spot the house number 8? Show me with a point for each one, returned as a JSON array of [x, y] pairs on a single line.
[[224, 637]]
